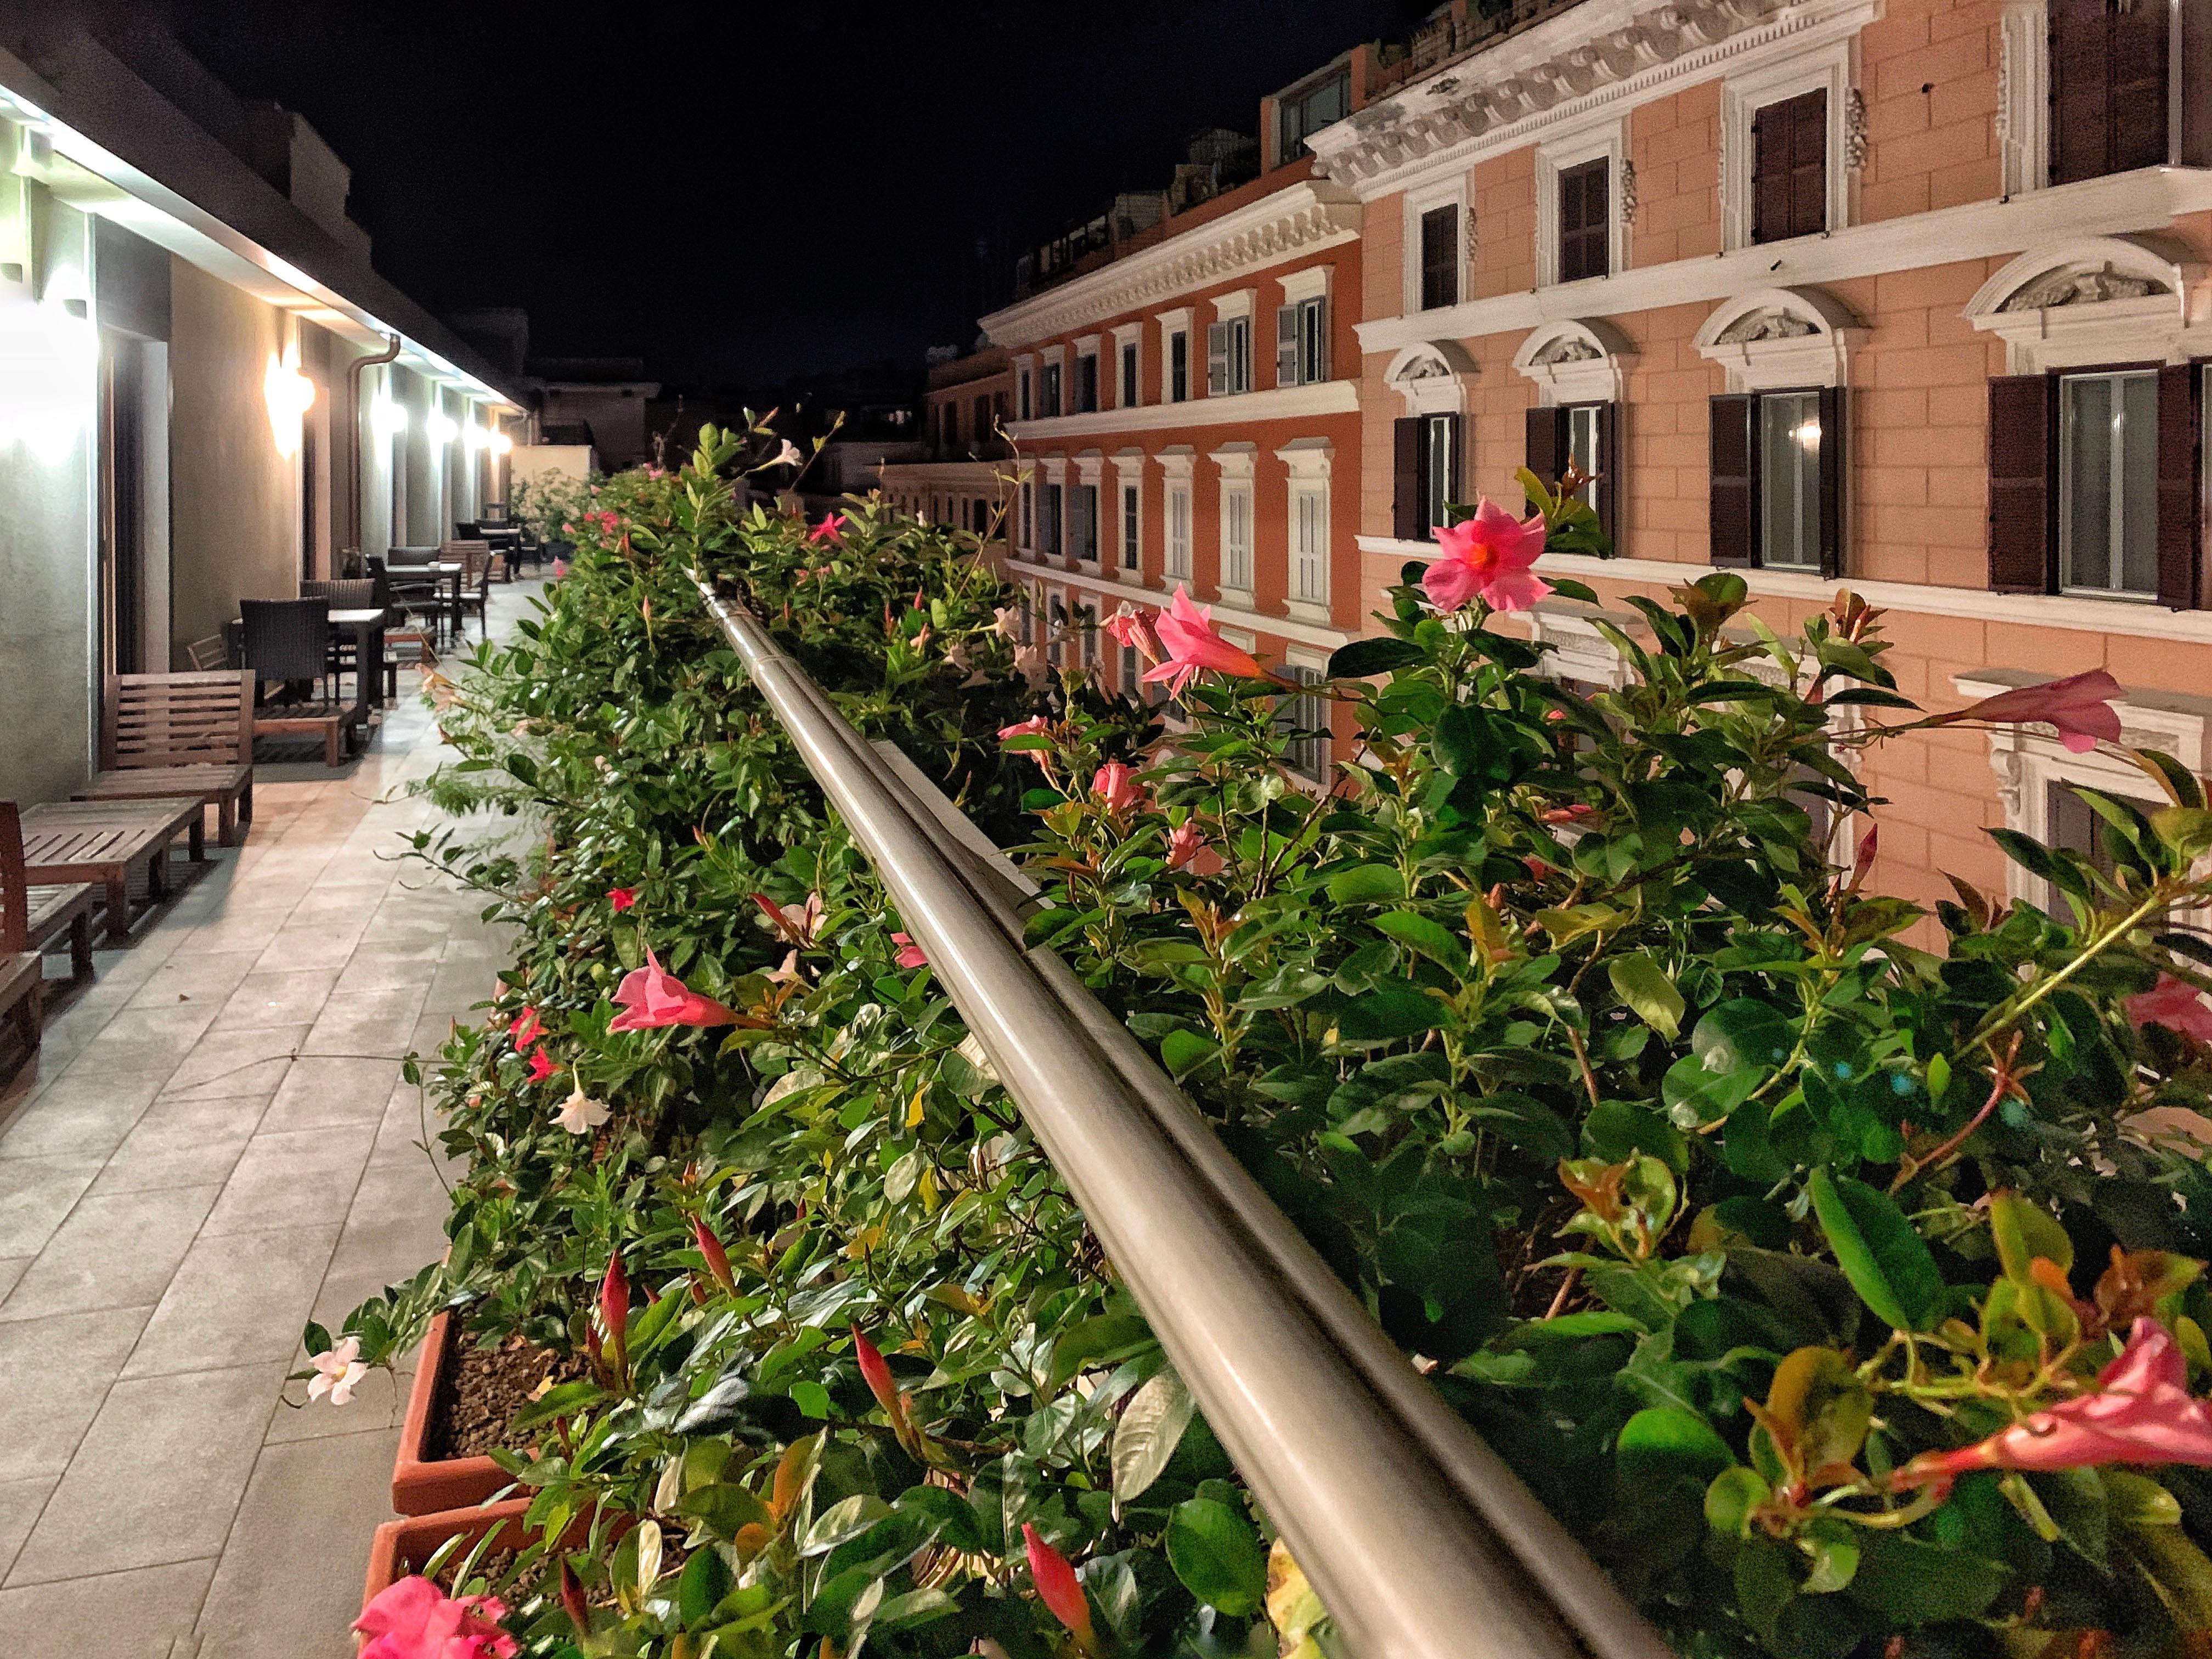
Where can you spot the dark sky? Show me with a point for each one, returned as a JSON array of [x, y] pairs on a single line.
[[740, 191]]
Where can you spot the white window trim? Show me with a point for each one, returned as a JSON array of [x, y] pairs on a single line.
[[1089, 466], [1177, 463], [1310, 461], [1813, 333], [1450, 191], [1304, 656], [1127, 335], [2023, 97], [1432, 378], [1578, 651], [1085, 347], [1172, 322], [1589, 364], [1128, 474], [2074, 329], [1831, 68], [1609, 139], [1311, 283], [1239, 465], [1238, 303], [2029, 759]]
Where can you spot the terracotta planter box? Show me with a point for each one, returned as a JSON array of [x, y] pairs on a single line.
[[414, 1539], [420, 1486]]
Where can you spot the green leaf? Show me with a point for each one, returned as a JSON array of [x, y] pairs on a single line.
[[1367, 884], [1667, 1443], [1181, 1051], [1364, 659], [1734, 1494], [1388, 1013], [1151, 1429], [1430, 939], [1887, 1262], [1217, 1555], [1645, 986], [700, 1587], [725, 1507], [1742, 1033], [1107, 1339], [1916, 1583]]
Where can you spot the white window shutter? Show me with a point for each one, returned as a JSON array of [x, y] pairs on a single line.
[[1217, 359], [1286, 345]]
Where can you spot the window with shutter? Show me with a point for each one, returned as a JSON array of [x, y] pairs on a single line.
[[1029, 515], [1310, 545], [1313, 339], [1440, 257], [2023, 446], [1286, 345], [1834, 436], [1085, 525], [1237, 536], [1304, 719], [2108, 87], [1131, 558], [1022, 385], [1048, 390], [2108, 483], [1734, 482], [1585, 201], [1240, 354], [2180, 485], [1178, 367], [1050, 525], [1086, 383], [1217, 359], [1178, 528], [1545, 451], [1405, 478], [1439, 469], [1129, 389], [1789, 168]]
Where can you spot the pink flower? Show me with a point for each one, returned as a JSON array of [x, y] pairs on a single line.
[[614, 1305], [541, 1066], [1116, 786], [1058, 1588], [716, 1258], [560, 568], [413, 1619], [651, 997], [829, 529], [2079, 706], [1186, 634], [1030, 663], [621, 898], [1036, 726], [798, 924], [1490, 558], [527, 1029], [2141, 1414], [1184, 844], [1129, 626], [910, 954], [2175, 1003]]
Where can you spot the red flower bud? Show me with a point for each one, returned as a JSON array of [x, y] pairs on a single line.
[[1058, 1588], [718, 1259], [614, 1305], [572, 1600], [876, 1373]]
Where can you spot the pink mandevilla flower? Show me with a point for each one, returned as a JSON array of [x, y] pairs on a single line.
[[2079, 706], [1036, 726], [1490, 557], [1129, 626], [652, 997], [1188, 637], [2141, 1414], [1058, 1588], [338, 1371], [621, 898], [541, 1065], [1184, 844], [2175, 1003], [1117, 788], [413, 1619], [910, 955], [831, 527]]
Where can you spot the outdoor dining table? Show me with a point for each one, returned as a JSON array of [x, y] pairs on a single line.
[[367, 627], [100, 840], [444, 579]]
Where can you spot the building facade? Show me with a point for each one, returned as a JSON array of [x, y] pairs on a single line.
[[962, 477]]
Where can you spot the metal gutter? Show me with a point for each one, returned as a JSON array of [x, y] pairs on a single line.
[[1419, 1540]]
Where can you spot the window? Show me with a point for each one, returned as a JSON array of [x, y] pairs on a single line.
[[1179, 367], [1236, 535], [1306, 717], [1178, 527], [1440, 257], [1424, 474], [1028, 617], [2108, 87], [1023, 384], [1131, 558], [1310, 544], [999, 408], [949, 416], [1131, 672], [1128, 387], [1777, 479], [1302, 342], [1050, 523], [1086, 624], [2108, 483], [1056, 635], [1306, 112], [982, 419], [1082, 522], [1585, 221], [1229, 356], [1789, 168], [1086, 383], [2096, 478], [1049, 392], [1029, 514]]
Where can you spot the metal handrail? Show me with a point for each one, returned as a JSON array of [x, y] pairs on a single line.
[[1419, 1539]]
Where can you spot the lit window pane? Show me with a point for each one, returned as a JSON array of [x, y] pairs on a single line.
[[2138, 482], [1790, 479], [2108, 483]]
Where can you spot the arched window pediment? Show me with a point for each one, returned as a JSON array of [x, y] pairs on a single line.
[[1431, 376], [1575, 362], [1773, 338]]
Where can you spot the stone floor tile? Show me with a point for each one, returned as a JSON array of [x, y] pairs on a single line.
[[211, 977], [146, 1039], [237, 1298], [302, 1179], [175, 1124], [20, 1503], [261, 1605], [81, 1112], [280, 999], [85, 1265], [223, 1062], [11, 1269], [158, 1477], [54, 1373], [368, 1022], [313, 944], [322, 1091], [36, 1195], [140, 1614]]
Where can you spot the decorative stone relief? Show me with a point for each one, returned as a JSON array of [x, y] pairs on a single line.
[[1766, 325], [1855, 130], [1566, 350], [2080, 287], [1628, 192]]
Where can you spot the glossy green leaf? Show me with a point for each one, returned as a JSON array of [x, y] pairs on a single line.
[[1889, 1265], [1216, 1553]]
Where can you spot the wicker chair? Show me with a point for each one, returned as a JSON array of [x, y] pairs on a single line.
[[287, 640], [475, 560]]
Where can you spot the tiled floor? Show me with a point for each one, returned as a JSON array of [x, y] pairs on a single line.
[[218, 1145]]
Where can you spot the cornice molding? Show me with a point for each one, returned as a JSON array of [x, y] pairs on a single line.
[[1303, 218], [2148, 199], [1236, 409]]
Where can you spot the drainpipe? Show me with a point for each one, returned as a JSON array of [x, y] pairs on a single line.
[[353, 565]]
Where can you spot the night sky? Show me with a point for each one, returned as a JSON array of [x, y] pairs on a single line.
[[742, 192]]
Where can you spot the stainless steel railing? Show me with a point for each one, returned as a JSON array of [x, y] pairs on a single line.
[[1419, 1539]]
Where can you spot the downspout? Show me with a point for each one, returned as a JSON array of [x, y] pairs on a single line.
[[353, 563]]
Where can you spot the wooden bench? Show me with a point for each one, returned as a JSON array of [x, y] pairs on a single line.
[[331, 722], [179, 734], [101, 841], [22, 976]]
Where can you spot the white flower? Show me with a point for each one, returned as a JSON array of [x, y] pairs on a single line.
[[1030, 663], [788, 455], [788, 973], [1007, 619], [579, 1114], [337, 1372]]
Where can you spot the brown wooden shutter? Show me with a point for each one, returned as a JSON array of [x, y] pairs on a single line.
[[2023, 501], [2141, 37], [1583, 203], [1734, 481], [1547, 444], [1405, 479], [1612, 467], [2109, 86], [2180, 465], [1834, 479], [1808, 163]]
